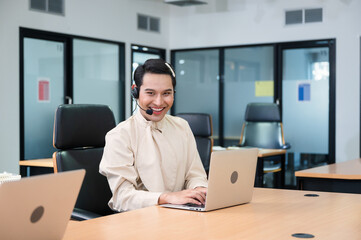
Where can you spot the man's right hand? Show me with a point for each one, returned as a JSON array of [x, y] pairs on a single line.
[[195, 196]]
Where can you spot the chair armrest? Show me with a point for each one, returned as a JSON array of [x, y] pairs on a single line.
[[81, 214], [286, 146]]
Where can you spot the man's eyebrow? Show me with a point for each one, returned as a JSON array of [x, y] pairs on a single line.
[[149, 89]]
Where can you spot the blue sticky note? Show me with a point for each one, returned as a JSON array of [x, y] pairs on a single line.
[[304, 92]]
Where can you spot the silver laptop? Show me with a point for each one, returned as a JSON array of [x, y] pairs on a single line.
[[231, 180], [38, 207]]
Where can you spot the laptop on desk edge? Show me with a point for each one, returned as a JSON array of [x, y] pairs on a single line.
[[38, 207], [230, 182]]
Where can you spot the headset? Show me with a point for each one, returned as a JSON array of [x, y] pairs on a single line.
[[135, 89]]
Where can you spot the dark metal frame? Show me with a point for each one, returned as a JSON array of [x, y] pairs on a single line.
[[68, 67], [278, 47], [153, 50]]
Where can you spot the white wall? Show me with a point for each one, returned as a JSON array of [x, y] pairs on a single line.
[[236, 22], [105, 19]]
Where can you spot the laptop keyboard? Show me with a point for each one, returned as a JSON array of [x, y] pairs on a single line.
[[194, 205]]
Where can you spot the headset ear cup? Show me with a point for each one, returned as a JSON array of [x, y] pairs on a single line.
[[135, 93]]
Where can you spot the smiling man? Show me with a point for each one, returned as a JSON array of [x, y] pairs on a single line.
[[152, 158]]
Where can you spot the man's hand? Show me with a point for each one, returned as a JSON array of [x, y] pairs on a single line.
[[195, 196], [202, 189]]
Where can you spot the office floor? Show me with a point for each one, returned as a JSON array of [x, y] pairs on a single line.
[[296, 162]]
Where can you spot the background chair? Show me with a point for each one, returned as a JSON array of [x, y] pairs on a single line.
[[263, 129], [79, 134], [201, 126]]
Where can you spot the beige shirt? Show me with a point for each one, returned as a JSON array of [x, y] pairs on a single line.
[[142, 159]]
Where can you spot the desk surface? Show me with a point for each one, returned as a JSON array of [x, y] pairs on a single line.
[[270, 152], [272, 214], [46, 162], [344, 170], [263, 152]]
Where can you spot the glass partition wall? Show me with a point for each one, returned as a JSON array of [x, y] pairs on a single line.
[[248, 77], [306, 107], [59, 69], [299, 76], [198, 84], [43, 74], [96, 74]]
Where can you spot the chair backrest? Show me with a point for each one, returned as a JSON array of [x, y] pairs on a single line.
[[262, 127], [79, 134], [201, 126]]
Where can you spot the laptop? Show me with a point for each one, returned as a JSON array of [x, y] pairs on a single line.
[[38, 207], [230, 182]]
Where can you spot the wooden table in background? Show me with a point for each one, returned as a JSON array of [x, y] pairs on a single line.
[[27, 167], [272, 214], [338, 177]]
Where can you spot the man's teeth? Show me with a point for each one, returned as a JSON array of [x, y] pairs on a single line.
[[157, 109]]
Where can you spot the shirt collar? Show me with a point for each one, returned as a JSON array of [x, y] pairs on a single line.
[[144, 122]]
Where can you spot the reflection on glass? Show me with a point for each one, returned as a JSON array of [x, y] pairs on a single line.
[[320, 71], [248, 78]]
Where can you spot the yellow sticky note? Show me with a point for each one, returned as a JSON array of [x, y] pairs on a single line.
[[264, 88]]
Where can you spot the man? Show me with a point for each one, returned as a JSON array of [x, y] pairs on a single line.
[[152, 158]]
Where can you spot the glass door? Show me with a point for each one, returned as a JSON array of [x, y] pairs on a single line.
[[248, 77], [197, 87], [308, 103], [43, 91], [96, 75], [56, 69]]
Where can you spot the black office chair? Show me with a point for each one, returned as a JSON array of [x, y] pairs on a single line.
[[79, 134], [263, 129], [201, 126]]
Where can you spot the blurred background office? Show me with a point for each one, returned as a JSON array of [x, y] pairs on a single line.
[[303, 55]]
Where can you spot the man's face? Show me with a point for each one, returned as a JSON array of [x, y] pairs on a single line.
[[156, 93]]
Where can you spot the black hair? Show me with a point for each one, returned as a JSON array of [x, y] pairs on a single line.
[[158, 66]]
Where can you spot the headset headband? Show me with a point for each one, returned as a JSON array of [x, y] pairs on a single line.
[[170, 68]]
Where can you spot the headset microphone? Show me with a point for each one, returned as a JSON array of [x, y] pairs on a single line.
[[149, 111]]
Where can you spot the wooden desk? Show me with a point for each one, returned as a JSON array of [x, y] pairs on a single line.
[[26, 166], [270, 152], [339, 177], [272, 214], [46, 162]]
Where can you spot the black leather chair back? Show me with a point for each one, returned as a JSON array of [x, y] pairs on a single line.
[[201, 126], [79, 134], [263, 127]]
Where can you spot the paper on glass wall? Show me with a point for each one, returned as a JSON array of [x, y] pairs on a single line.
[[43, 89], [304, 91], [264, 88]]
